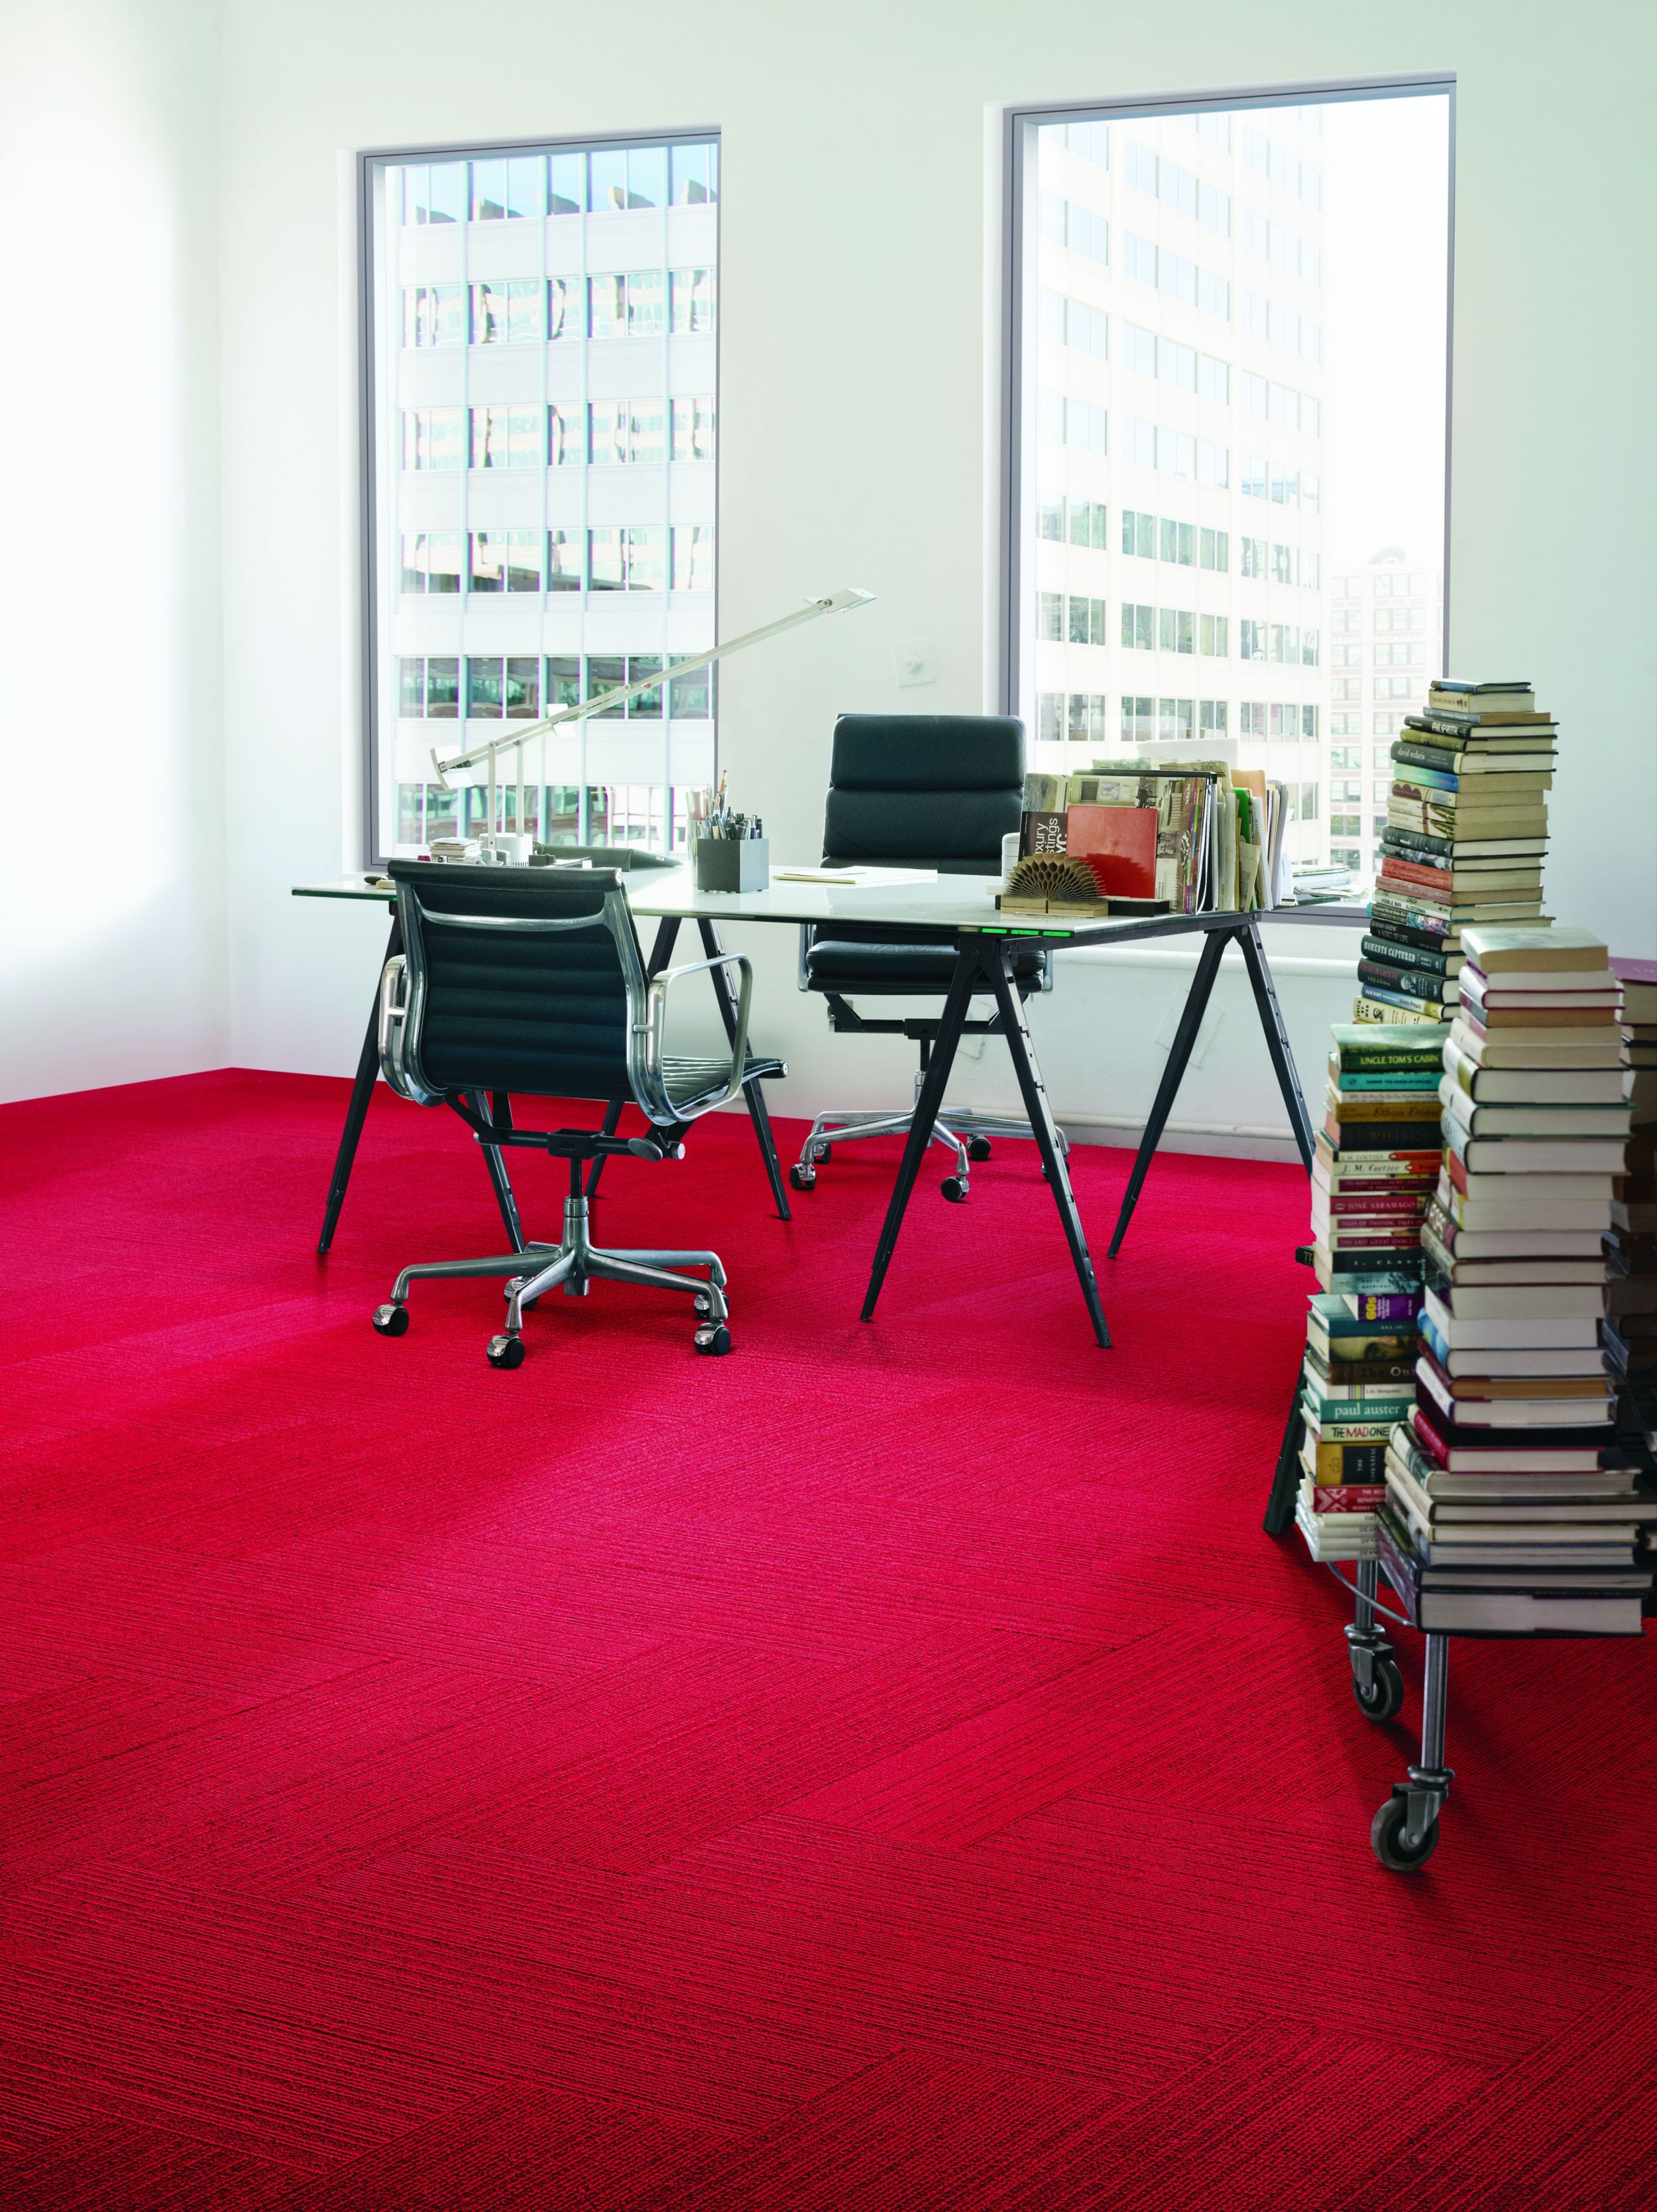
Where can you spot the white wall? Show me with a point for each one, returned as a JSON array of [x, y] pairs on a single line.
[[858, 420], [113, 932]]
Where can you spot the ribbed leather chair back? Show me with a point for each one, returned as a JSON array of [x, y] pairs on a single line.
[[937, 791], [515, 1009]]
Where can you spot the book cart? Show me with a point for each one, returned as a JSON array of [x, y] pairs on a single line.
[[1404, 1833]]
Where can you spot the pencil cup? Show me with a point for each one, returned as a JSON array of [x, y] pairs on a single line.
[[731, 864]]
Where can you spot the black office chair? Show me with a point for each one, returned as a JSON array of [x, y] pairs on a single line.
[[531, 979], [935, 791]]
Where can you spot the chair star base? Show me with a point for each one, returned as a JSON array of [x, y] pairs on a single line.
[[570, 1266]]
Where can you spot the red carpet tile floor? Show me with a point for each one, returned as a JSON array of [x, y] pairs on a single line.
[[887, 1768]]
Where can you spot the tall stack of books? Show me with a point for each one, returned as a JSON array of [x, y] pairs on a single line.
[[1376, 1165], [1466, 831], [1508, 1508], [1630, 1334]]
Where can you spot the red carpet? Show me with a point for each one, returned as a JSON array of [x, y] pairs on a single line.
[[886, 1768]]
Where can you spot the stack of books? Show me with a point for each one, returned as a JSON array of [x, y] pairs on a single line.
[[1630, 1333], [1376, 1165], [1509, 1509], [1467, 832]]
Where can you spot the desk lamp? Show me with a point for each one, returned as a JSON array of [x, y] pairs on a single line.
[[620, 694]]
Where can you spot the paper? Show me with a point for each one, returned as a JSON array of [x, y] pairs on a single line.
[[862, 879]]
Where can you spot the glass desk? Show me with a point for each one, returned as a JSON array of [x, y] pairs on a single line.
[[984, 942]]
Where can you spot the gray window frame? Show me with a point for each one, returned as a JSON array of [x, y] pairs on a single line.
[[1019, 216], [369, 161]]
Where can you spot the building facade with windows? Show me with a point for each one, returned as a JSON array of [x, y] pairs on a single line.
[[1179, 593], [1387, 643], [546, 359]]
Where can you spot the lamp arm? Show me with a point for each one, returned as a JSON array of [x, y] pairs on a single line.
[[835, 603]]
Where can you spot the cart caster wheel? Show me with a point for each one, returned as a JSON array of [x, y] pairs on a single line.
[[1384, 1693], [713, 1338], [802, 1178], [505, 1352], [391, 1319], [978, 1148], [953, 1188], [1387, 1838], [822, 1153]]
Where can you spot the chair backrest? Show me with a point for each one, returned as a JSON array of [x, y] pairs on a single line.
[[519, 978], [937, 791]]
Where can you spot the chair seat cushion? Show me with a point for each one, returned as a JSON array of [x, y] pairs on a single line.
[[918, 964]]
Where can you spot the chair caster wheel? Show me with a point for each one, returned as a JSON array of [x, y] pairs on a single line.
[[713, 1338], [391, 1319], [822, 1153], [953, 1188], [978, 1148], [1387, 1837], [505, 1352], [802, 1178], [1384, 1693]]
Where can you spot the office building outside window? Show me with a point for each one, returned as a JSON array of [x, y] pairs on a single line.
[[1200, 299], [540, 431]]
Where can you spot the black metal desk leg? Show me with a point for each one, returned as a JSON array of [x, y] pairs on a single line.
[[726, 994], [926, 1112], [667, 936], [362, 1090], [1276, 1038], [494, 1160], [1191, 1018], [1042, 1123], [1280, 1506]]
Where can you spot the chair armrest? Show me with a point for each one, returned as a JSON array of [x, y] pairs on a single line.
[[396, 1004], [651, 1032]]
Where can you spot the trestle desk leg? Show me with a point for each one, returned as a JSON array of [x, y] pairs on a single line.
[[362, 1090], [1034, 1093], [1276, 1038], [499, 1112], [1202, 983], [1280, 1505], [926, 1112], [752, 1092]]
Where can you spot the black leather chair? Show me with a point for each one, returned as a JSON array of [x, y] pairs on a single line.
[[934, 791], [531, 979]]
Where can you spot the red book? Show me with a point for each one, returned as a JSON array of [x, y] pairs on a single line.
[[1119, 843], [1348, 1496]]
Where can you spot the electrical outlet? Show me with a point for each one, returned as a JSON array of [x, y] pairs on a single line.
[[916, 660]]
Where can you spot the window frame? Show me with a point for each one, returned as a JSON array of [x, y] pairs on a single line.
[[374, 741], [1020, 197]]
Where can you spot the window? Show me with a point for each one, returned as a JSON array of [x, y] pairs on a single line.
[[428, 689], [508, 311], [505, 560], [1087, 519], [506, 437], [1345, 756], [432, 561], [1224, 391], [693, 301], [434, 437], [434, 315], [1085, 721], [1139, 719], [656, 406], [1086, 622], [1176, 719], [1073, 323], [1400, 656]]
